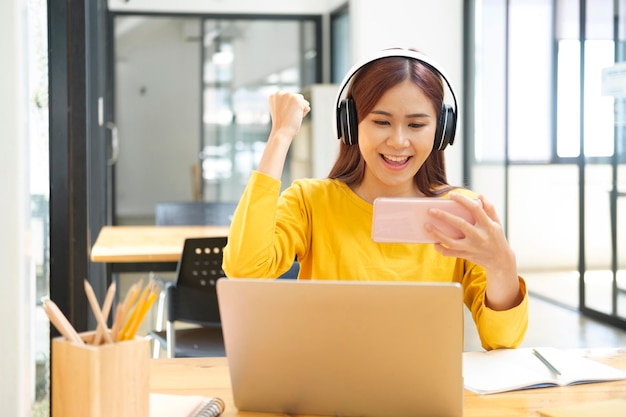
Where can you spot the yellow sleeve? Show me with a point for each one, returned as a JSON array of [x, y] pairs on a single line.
[[496, 329], [256, 247]]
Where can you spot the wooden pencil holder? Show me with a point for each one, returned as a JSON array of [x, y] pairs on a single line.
[[108, 380]]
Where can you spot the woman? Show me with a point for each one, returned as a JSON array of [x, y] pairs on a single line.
[[396, 151]]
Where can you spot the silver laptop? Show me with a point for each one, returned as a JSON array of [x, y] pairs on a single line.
[[344, 348]]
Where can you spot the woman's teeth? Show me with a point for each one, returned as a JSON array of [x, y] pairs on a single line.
[[391, 158]]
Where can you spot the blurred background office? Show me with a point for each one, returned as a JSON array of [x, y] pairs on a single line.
[[147, 101]]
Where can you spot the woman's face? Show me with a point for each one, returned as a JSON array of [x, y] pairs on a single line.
[[395, 139]]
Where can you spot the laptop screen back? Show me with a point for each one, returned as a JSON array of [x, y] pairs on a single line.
[[344, 347]]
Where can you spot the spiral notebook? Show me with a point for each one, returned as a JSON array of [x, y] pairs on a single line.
[[169, 405], [350, 348]]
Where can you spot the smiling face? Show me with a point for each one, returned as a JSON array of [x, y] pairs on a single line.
[[396, 104], [395, 139]]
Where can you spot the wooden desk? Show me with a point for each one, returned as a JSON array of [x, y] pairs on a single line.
[[210, 377], [146, 248]]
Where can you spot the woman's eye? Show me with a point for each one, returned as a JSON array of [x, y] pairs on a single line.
[[416, 125], [381, 122]]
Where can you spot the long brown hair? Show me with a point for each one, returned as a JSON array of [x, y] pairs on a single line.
[[367, 87]]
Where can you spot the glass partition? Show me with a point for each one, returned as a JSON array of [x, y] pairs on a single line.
[[618, 175], [602, 290], [545, 133], [240, 69], [191, 102], [487, 103]]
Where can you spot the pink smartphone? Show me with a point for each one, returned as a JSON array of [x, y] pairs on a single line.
[[401, 220]]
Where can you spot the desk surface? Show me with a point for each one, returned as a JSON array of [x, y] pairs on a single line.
[[210, 377], [132, 244]]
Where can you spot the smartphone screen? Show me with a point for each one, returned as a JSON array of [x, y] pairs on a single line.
[[401, 220]]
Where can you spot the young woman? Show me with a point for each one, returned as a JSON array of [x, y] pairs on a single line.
[[392, 129]]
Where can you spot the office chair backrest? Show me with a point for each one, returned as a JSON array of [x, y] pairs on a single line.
[[194, 298], [194, 213]]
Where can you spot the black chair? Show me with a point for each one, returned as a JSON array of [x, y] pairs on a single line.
[[193, 300], [194, 213], [186, 213]]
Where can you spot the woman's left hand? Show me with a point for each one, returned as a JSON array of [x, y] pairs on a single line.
[[484, 243]]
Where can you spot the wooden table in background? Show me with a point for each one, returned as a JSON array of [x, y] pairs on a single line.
[[210, 377], [146, 248]]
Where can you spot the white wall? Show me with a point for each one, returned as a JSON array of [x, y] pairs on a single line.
[[316, 147], [16, 299]]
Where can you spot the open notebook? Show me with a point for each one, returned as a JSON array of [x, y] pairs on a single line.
[[344, 347], [514, 369]]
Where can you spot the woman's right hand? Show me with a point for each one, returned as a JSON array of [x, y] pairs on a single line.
[[287, 111]]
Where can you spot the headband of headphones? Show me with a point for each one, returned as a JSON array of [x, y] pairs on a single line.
[[346, 120]]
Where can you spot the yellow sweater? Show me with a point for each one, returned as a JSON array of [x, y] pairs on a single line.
[[328, 227]]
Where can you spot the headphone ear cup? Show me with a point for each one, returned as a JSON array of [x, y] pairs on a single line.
[[347, 129], [446, 127]]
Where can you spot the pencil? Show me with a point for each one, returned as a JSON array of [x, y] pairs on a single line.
[[123, 309], [95, 307], [130, 323], [60, 322], [142, 313], [117, 323], [106, 309], [546, 362]]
